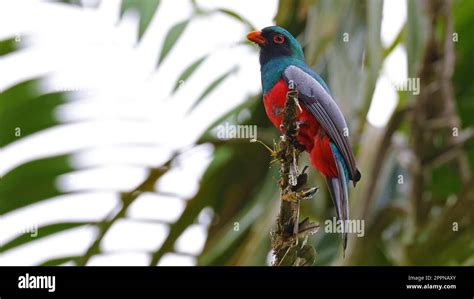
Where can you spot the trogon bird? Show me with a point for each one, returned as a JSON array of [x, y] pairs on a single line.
[[322, 130]]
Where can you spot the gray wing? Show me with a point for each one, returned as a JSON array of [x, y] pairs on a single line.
[[320, 103]]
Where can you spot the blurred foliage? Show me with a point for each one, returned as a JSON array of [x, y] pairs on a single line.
[[27, 110], [7, 46], [145, 9], [464, 90], [240, 187]]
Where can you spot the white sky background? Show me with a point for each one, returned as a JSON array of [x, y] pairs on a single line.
[[90, 48], [394, 69]]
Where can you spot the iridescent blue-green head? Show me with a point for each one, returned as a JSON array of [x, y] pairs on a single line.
[[276, 42]]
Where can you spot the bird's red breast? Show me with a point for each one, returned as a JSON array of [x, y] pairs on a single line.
[[310, 134]]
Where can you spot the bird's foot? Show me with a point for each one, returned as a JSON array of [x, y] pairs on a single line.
[[307, 193], [302, 179]]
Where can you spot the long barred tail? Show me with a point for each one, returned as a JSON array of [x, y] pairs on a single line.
[[338, 190]]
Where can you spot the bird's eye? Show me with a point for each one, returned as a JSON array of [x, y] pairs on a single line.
[[279, 39]]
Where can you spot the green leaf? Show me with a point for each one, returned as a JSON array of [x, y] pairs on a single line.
[[43, 231], [212, 86], [31, 117], [171, 38], [70, 2], [59, 261], [32, 182], [146, 10], [18, 95], [398, 39], [7, 46], [188, 72], [24, 110]]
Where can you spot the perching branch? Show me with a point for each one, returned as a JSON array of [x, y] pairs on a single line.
[[289, 240]]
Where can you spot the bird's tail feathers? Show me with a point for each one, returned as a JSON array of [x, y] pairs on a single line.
[[338, 190]]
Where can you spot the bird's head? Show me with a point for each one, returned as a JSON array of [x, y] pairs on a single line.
[[275, 42]]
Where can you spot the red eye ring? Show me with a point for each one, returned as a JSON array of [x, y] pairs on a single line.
[[279, 39]]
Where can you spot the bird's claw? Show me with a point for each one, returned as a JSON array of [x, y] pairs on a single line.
[[302, 179], [307, 193]]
